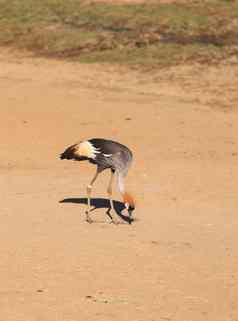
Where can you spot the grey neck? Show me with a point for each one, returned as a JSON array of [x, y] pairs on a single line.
[[120, 183]]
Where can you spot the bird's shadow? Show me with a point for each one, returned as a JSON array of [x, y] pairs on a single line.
[[101, 203]]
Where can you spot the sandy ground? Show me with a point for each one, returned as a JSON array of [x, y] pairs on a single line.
[[178, 261]]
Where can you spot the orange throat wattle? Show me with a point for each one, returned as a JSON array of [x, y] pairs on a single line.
[[129, 200]]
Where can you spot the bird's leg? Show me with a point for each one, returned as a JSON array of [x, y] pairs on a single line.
[[109, 191], [89, 190]]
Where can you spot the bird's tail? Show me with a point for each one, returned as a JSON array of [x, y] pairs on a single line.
[[69, 153]]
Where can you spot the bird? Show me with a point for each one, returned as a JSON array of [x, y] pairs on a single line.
[[105, 154]]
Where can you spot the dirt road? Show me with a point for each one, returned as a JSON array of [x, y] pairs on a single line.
[[179, 260]]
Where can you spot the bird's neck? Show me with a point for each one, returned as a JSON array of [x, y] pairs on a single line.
[[127, 198], [120, 182]]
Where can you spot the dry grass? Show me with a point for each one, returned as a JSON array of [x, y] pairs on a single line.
[[155, 34]]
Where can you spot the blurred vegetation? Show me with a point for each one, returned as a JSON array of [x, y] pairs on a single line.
[[143, 34]]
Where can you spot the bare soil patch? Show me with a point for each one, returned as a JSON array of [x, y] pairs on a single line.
[[178, 261]]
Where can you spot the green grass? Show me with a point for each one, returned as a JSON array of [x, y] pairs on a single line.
[[149, 35]]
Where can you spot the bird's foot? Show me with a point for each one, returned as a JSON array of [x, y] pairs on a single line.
[[115, 221], [88, 218], [113, 217]]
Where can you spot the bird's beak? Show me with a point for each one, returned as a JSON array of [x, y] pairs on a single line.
[[130, 210]]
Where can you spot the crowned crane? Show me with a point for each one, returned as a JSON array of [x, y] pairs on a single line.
[[105, 154]]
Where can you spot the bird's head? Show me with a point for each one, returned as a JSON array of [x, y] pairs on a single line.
[[129, 201]]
